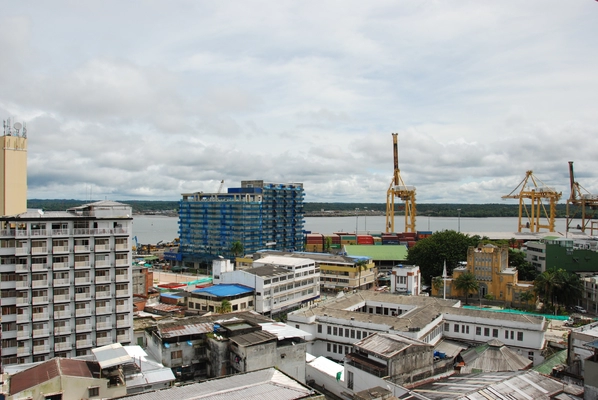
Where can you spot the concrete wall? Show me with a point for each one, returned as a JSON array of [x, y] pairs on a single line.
[[290, 359], [73, 388]]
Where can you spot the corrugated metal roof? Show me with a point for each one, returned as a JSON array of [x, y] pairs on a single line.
[[51, 369], [387, 345], [252, 338], [183, 330], [111, 355], [224, 290], [258, 385], [559, 358], [493, 356]]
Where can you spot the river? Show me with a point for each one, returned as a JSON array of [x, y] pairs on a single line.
[[154, 228]]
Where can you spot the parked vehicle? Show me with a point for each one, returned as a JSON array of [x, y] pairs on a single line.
[[579, 309]]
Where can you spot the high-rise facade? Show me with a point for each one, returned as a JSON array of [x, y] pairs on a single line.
[[258, 215]]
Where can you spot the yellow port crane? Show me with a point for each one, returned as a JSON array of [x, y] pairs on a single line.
[[401, 191], [580, 200], [533, 189]]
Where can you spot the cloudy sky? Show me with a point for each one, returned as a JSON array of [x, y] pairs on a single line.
[[151, 99]]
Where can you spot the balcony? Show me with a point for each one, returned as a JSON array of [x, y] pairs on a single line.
[[39, 283], [62, 346], [82, 296], [103, 295], [39, 267], [123, 293], [7, 267], [23, 351], [61, 282], [102, 279], [22, 301], [60, 232], [39, 250], [38, 232], [123, 308], [123, 323], [104, 325], [103, 310], [39, 299], [7, 232], [83, 343], [83, 281], [103, 341], [102, 263], [83, 328], [9, 285], [41, 333], [124, 338], [82, 264], [101, 247], [82, 248], [21, 268], [120, 262], [83, 312], [9, 301], [62, 330], [81, 231], [24, 334], [121, 247], [22, 284], [41, 349], [122, 277], [60, 249], [59, 298], [60, 266], [40, 317], [21, 318], [22, 251], [62, 314]]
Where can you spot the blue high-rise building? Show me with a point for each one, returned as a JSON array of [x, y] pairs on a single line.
[[259, 215]]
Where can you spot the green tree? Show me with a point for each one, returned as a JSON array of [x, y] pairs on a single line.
[[224, 307], [526, 297], [236, 248], [570, 288], [545, 284], [429, 253], [466, 283], [361, 265], [527, 272], [327, 244], [438, 283]]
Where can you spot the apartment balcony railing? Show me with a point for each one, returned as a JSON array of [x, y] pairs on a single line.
[[120, 262], [83, 328], [103, 295], [123, 308], [23, 351], [62, 314], [58, 266], [62, 346], [26, 317], [83, 343], [122, 277], [40, 317], [39, 299], [22, 284], [38, 232], [83, 281], [22, 301], [82, 248], [103, 341], [39, 267], [101, 247], [82, 264], [123, 338], [62, 297], [123, 323], [102, 279], [43, 348], [22, 251], [102, 263], [60, 249], [62, 330], [83, 312], [7, 232], [60, 232], [41, 333], [21, 268], [104, 325], [61, 282], [123, 293], [24, 334], [39, 283], [121, 247], [103, 310], [39, 250]]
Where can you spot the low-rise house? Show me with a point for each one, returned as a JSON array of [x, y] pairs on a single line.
[[209, 299], [405, 279]]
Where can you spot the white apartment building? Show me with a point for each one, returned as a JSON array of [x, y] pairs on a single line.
[[405, 279], [280, 283], [66, 281]]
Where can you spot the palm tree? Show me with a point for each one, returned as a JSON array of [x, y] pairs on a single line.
[[361, 265], [526, 297], [546, 283], [224, 307], [438, 283], [236, 248], [466, 282]]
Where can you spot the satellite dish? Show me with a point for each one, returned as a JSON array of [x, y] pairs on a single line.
[[18, 126]]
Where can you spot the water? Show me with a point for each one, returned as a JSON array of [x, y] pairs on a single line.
[[154, 228]]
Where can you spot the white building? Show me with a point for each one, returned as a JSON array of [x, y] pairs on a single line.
[[280, 283], [337, 324], [405, 279], [66, 281]]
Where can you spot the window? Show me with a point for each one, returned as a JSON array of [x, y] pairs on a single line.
[[447, 327], [319, 328], [334, 348], [335, 331], [530, 355], [486, 331], [462, 328], [93, 391], [520, 336], [358, 334], [329, 330], [467, 329], [352, 333], [456, 328], [506, 334], [494, 332], [297, 326], [478, 330], [176, 354], [512, 335], [328, 346], [346, 332]]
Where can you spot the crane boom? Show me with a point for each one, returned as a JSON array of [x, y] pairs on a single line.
[[399, 190]]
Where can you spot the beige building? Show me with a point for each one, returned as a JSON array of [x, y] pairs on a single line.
[[13, 169]]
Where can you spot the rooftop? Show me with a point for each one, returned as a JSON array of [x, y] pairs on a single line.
[[267, 271], [493, 356], [253, 338], [292, 261], [387, 345], [224, 290], [379, 253]]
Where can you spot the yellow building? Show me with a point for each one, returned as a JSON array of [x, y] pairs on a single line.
[[490, 266], [13, 169]]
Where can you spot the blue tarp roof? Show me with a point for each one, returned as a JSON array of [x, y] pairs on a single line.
[[171, 295], [224, 290]]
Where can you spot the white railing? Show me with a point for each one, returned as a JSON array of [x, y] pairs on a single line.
[[21, 233], [122, 293], [102, 263], [21, 284], [62, 297], [83, 327], [39, 250], [62, 330], [24, 334], [103, 295], [7, 232], [39, 267], [101, 247], [63, 346], [102, 341], [81, 248], [85, 280], [122, 262], [82, 312], [123, 338], [104, 325], [39, 283], [23, 351], [83, 296], [122, 323], [81, 231], [21, 251], [60, 249], [39, 299], [102, 279], [23, 318], [83, 343], [38, 232], [43, 348], [61, 281], [122, 277], [121, 246], [41, 332], [22, 301], [40, 316], [82, 264], [123, 308], [60, 232], [60, 265], [103, 310], [21, 268], [62, 314]]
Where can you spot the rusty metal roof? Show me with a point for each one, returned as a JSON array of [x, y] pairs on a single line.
[[253, 338], [51, 369], [387, 345]]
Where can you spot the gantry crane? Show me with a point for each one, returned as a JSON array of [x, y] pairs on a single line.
[[536, 191], [580, 200], [399, 190]]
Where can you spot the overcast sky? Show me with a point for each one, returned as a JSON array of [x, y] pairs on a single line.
[[151, 99]]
